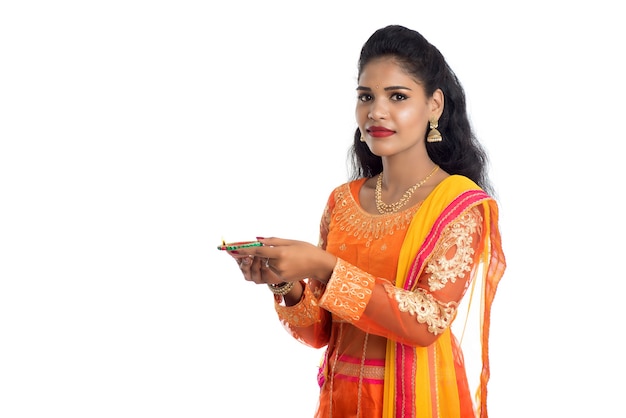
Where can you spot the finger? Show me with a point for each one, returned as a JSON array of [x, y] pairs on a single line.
[[245, 264], [238, 257], [264, 251], [267, 264], [269, 271], [245, 260], [256, 270], [273, 241]]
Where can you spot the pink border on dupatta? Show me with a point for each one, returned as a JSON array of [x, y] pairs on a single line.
[[451, 212], [405, 354]]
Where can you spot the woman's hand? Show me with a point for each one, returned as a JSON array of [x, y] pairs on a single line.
[[254, 268], [283, 260]]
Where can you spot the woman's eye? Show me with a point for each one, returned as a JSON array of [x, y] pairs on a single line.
[[398, 97], [364, 97]]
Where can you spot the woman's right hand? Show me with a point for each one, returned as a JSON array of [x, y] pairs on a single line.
[[255, 269]]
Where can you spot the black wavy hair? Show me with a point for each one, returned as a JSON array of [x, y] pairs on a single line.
[[459, 152]]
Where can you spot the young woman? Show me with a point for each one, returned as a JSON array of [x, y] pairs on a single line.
[[401, 245]]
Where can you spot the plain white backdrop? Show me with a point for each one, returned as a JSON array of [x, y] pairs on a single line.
[[136, 135]]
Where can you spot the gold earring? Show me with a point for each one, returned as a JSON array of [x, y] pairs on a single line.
[[362, 139], [434, 135]]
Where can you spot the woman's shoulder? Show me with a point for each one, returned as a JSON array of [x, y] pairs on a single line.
[[455, 190], [352, 185], [456, 183], [349, 189]]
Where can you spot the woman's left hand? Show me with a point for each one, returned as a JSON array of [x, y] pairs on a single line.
[[293, 260], [254, 269]]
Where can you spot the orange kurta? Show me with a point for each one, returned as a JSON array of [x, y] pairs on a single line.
[[375, 365]]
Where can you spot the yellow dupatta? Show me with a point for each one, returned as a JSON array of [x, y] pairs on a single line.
[[421, 381]]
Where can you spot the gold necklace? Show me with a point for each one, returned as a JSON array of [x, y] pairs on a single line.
[[394, 207]]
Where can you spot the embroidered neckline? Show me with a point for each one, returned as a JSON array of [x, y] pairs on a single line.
[[356, 221]]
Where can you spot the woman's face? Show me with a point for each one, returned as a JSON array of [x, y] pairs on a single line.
[[392, 109]]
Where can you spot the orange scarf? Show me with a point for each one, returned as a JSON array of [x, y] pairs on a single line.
[[423, 379]]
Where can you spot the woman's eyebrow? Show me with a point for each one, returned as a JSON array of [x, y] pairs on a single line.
[[386, 88]]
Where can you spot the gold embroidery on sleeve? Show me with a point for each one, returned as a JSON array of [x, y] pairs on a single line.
[[425, 307], [304, 314], [458, 236], [324, 226], [347, 292]]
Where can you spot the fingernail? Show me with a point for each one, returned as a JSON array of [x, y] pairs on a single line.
[[260, 238], [235, 252]]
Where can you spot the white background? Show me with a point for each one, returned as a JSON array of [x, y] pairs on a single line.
[[135, 135]]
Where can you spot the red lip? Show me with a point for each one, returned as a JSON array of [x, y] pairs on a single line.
[[380, 132]]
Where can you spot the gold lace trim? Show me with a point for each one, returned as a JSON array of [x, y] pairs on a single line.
[[303, 314], [352, 219], [348, 291], [425, 307], [459, 236], [324, 225], [357, 370]]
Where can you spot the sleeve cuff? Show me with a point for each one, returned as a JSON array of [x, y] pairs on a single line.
[[303, 314], [348, 291]]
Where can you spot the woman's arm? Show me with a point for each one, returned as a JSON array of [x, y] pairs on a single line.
[[299, 309], [420, 315]]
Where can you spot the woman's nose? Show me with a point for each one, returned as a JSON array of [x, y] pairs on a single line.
[[378, 110]]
